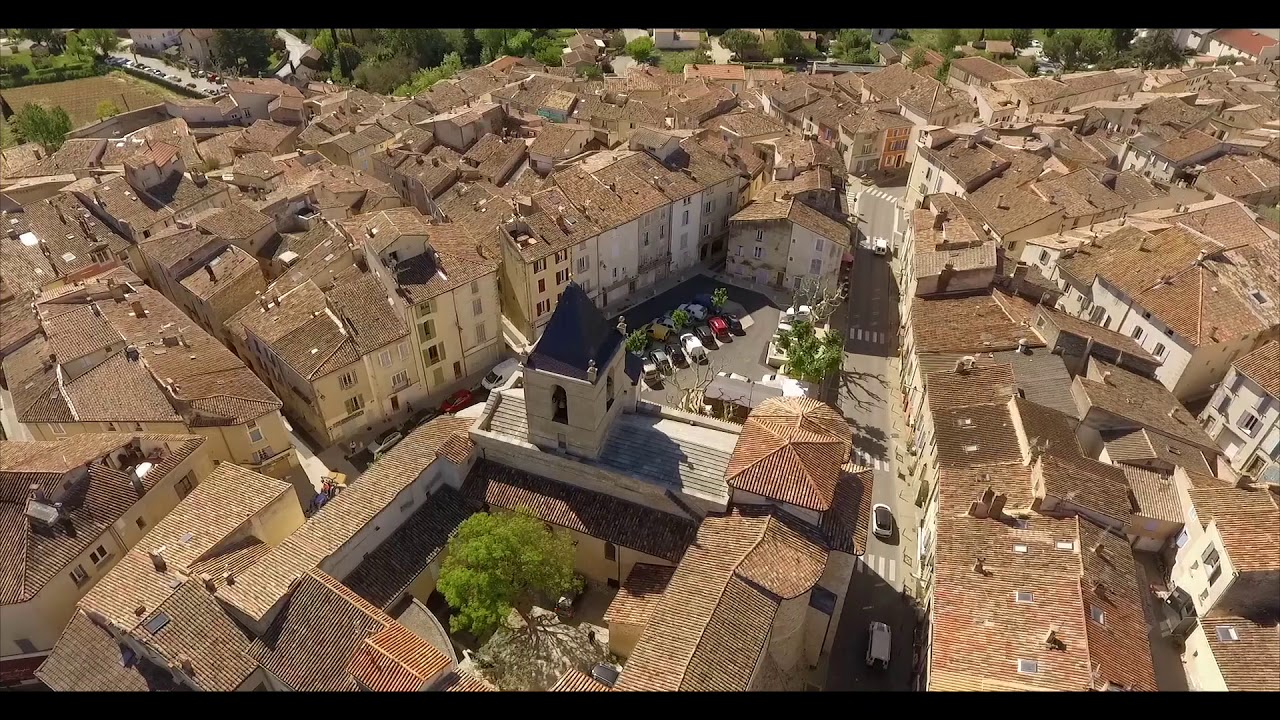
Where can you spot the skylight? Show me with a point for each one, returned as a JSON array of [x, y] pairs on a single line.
[[1227, 633], [1029, 667], [1065, 545], [1023, 596], [1020, 548]]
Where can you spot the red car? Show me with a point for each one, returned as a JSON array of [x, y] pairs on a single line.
[[718, 326], [456, 401]]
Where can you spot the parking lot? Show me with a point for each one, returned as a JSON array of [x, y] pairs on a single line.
[[742, 354]]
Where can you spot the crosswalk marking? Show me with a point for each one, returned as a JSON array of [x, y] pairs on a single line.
[[866, 460], [884, 567], [871, 336]]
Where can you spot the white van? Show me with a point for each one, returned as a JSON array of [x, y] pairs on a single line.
[[879, 645], [500, 374], [880, 246]]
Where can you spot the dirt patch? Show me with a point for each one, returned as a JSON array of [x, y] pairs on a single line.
[[517, 658], [80, 98]]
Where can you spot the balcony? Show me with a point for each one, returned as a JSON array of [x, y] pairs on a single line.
[[663, 260]]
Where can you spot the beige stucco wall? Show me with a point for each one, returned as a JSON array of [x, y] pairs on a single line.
[[623, 638]]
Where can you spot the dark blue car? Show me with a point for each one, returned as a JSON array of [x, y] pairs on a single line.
[[703, 299]]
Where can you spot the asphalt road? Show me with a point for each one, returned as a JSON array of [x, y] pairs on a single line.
[[870, 321]]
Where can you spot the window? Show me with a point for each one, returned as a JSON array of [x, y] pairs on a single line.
[[707, 207], [255, 432], [1044, 257], [687, 201], [99, 555], [482, 335], [1020, 548], [758, 252], [1249, 423], [706, 230], [1098, 615], [1023, 596], [610, 551], [457, 369], [475, 286], [646, 238], [542, 285], [562, 257], [1065, 545], [539, 265], [141, 523], [1227, 633], [684, 242], [346, 380], [109, 426], [582, 264], [57, 429], [543, 307], [1028, 667], [435, 354], [437, 377], [1212, 563], [353, 403], [662, 231], [1137, 333], [78, 575], [1160, 350], [384, 358], [815, 266], [261, 456], [184, 486], [400, 379], [477, 305], [685, 218], [403, 350], [429, 330], [759, 235]]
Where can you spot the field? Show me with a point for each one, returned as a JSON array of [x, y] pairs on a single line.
[[80, 98]]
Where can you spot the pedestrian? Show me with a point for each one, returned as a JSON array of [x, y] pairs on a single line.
[[591, 636]]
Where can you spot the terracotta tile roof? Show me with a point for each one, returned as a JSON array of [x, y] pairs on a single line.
[[976, 323], [649, 531], [492, 153], [361, 302], [553, 140], [1154, 493], [260, 588], [88, 658], [235, 221], [1247, 520], [1263, 367], [198, 629], [263, 136], [977, 435], [639, 595], [1141, 446], [715, 72], [214, 510], [1144, 402], [384, 574], [980, 386], [1250, 42], [1035, 90], [1080, 194], [984, 69], [325, 638], [745, 124], [1114, 583], [1100, 335], [79, 332], [1186, 146], [578, 681], [845, 524], [463, 262], [1087, 484], [791, 450], [68, 232], [793, 210], [35, 388], [1251, 661], [92, 397], [712, 622]]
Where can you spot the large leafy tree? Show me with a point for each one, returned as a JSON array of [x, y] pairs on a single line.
[[640, 49], [810, 357], [948, 39], [1020, 37], [740, 42], [102, 40], [493, 40], [1157, 49], [46, 126], [496, 558], [674, 62], [1073, 49], [248, 49], [788, 43]]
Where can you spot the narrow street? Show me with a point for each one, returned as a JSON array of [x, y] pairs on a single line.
[[869, 320]]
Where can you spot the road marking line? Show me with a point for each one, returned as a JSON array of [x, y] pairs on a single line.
[[893, 570], [880, 565]]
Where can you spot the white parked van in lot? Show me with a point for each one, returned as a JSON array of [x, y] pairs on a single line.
[[500, 374]]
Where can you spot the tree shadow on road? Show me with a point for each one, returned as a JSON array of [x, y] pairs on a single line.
[[866, 397], [870, 439]]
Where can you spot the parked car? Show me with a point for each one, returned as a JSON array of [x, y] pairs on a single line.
[[880, 246], [652, 374], [500, 373], [703, 299], [879, 645], [676, 353], [422, 417], [705, 335], [210, 91], [735, 325], [192, 85], [659, 331], [457, 401], [882, 520], [718, 327], [693, 348], [660, 359], [384, 442], [797, 314], [212, 77], [697, 312]]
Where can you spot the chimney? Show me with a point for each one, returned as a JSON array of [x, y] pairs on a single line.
[[1051, 641], [1024, 346], [939, 218], [435, 162], [591, 371], [157, 559], [1142, 244], [213, 276], [1000, 203], [1106, 377], [995, 164], [1200, 258], [138, 310], [170, 340], [209, 584], [1173, 411], [262, 300], [978, 567], [184, 662]]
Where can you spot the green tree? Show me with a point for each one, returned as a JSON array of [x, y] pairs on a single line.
[[520, 44], [617, 41], [495, 559], [917, 59], [674, 62], [245, 49], [1121, 38], [1157, 49], [640, 49], [680, 318], [422, 80], [463, 42], [325, 43], [48, 127], [75, 46], [108, 108], [948, 39], [742, 43], [789, 44], [638, 341], [383, 76], [719, 297], [347, 58], [102, 40], [493, 39], [1020, 38], [1074, 48], [809, 357], [590, 72]]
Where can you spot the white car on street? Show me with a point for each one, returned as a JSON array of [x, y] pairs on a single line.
[[693, 348], [882, 521], [880, 246]]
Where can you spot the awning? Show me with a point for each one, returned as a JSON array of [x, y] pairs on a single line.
[[739, 392]]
